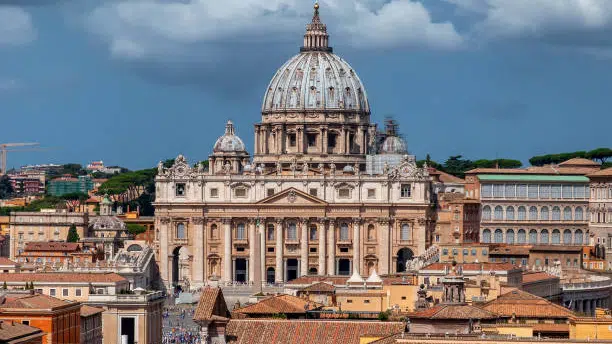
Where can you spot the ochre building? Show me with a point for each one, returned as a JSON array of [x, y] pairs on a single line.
[[324, 194]]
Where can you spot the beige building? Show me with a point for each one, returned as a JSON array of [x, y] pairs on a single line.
[[305, 204], [600, 214]]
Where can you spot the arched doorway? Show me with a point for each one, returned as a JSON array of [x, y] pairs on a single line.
[[270, 275], [403, 255], [241, 270], [292, 269], [344, 267], [312, 271], [175, 266]]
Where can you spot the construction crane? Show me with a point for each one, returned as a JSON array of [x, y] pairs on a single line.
[[5, 148]]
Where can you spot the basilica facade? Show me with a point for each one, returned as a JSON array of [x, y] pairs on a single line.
[[324, 193]]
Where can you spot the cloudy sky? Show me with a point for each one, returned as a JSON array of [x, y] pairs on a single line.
[[132, 82]]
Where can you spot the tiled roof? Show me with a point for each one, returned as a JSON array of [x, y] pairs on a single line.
[[473, 266], [11, 330], [580, 162], [273, 331], [319, 287], [445, 177], [51, 246], [525, 305], [549, 248], [529, 277], [335, 280], [603, 173], [5, 261], [463, 312], [511, 250], [31, 301], [286, 304], [551, 328], [87, 311], [109, 277], [211, 306]]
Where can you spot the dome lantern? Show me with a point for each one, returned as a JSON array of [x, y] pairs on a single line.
[[316, 37]]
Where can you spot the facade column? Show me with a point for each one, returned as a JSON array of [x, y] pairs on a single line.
[[227, 251], [421, 235], [252, 250], [163, 250], [383, 246], [359, 139], [262, 251], [257, 140], [342, 140], [324, 140], [331, 247], [322, 247], [304, 248], [356, 245], [198, 252], [279, 274]]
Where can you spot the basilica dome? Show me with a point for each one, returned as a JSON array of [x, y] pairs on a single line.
[[394, 145], [229, 142], [316, 79]]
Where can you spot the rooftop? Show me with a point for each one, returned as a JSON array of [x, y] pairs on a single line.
[[472, 266], [62, 277], [12, 330], [535, 276], [603, 173], [525, 305], [30, 301], [456, 312], [531, 178], [211, 306], [87, 311], [51, 246], [286, 304]]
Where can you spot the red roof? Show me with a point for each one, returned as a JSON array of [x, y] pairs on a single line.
[[51, 246], [473, 266], [62, 277]]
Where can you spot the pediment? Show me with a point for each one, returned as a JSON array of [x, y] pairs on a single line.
[[292, 196]]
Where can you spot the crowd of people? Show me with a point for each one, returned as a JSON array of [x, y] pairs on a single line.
[[179, 326]]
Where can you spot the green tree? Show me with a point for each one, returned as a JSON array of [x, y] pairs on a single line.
[[6, 188], [383, 316], [500, 163], [600, 154], [457, 166], [73, 235], [135, 229]]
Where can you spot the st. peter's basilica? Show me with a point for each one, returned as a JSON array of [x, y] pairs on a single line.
[[325, 193]]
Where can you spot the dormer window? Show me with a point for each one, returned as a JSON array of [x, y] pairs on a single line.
[[180, 190]]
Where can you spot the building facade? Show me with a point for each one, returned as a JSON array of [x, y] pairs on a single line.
[[305, 204], [600, 215]]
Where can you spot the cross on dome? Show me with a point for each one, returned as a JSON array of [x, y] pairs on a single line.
[[316, 37]]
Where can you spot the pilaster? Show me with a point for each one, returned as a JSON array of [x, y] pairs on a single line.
[[304, 247], [322, 232], [198, 251], [252, 250], [227, 250], [331, 248], [279, 273]]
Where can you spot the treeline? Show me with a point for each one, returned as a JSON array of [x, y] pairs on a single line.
[[457, 165], [600, 154]]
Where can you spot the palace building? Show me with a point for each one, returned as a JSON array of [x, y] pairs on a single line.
[[325, 193]]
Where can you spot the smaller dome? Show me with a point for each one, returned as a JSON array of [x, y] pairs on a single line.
[[394, 145], [348, 168], [229, 142]]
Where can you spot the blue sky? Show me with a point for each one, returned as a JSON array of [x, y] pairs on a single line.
[[133, 82]]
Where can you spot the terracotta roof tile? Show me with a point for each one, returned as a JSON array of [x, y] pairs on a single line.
[[335, 280], [286, 304], [211, 305], [87, 311], [319, 287], [580, 162], [525, 305], [51, 246], [109, 277], [453, 312], [603, 173], [5, 261], [529, 277], [551, 328], [473, 266], [31, 301], [11, 330], [272, 331]]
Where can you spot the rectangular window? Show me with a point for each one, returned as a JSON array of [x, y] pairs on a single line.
[[270, 192], [544, 191], [313, 192], [498, 190], [331, 140], [533, 191], [344, 193], [64, 292], [405, 190], [579, 191], [312, 140], [486, 190], [521, 191], [240, 249], [270, 249], [214, 193], [349, 301], [510, 191], [366, 301], [240, 192], [371, 193], [343, 249], [77, 292], [567, 191], [52, 292], [180, 189], [292, 140], [313, 250], [25, 322], [555, 192]]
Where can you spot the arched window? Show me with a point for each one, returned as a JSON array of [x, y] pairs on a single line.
[[270, 232], [498, 237], [544, 213], [556, 214], [344, 232], [405, 232], [486, 213], [371, 232], [180, 231], [510, 213], [533, 236], [499, 213], [567, 237], [486, 236], [522, 213], [240, 235], [544, 236], [556, 237], [521, 236], [578, 238], [510, 236], [567, 214], [214, 231], [533, 213], [313, 233], [579, 214], [292, 232]]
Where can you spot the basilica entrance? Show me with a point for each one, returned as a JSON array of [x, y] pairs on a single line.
[[270, 275], [344, 267], [241, 270], [292, 269], [403, 255], [175, 266]]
